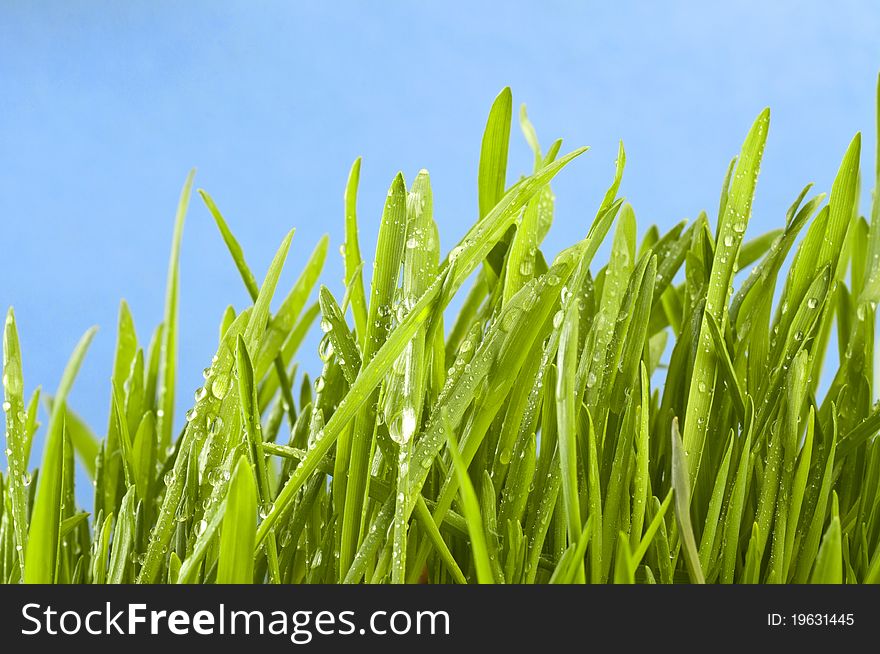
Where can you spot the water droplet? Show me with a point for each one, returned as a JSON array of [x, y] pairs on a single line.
[[6, 406], [728, 240], [557, 319], [326, 326], [510, 318], [169, 478], [812, 303], [265, 510], [214, 424], [325, 348], [220, 385], [319, 384]]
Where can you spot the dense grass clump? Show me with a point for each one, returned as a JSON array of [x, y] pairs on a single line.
[[644, 419]]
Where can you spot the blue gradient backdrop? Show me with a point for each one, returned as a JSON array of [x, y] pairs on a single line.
[[104, 106]]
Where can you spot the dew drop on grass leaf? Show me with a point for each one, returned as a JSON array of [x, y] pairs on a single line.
[[220, 385]]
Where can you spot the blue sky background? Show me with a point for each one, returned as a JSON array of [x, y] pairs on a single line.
[[104, 106]]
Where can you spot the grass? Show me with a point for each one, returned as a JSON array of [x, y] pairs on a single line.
[[653, 418]]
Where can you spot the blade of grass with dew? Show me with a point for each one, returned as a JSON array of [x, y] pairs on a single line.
[[594, 497], [405, 389], [352, 254], [16, 435], [168, 366], [533, 224], [126, 348], [731, 228], [641, 474], [614, 284], [250, 412], [796, 397], [189, 446], [237, 533], [567, 430], [389, 255], [43, 534], [343, 342]]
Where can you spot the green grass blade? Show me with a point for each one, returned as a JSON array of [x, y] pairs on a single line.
[[682, 506], [471, 508], [43, 536], [731, 229], [236, 562], [389, 255], [828, 568], [168, 369], [493, 153], [567, 429], [16, 435], [352, 254], [247, 392], [123, 540]]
